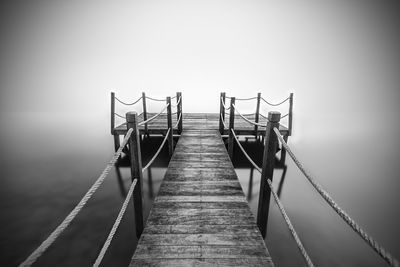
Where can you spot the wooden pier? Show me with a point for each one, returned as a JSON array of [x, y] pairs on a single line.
[[201, 216]]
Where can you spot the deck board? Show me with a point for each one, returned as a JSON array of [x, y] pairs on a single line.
[[200, 216]]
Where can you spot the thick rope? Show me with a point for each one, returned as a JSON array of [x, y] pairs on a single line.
[[287, 114], [223, 122], [116, 225], [244, 152], [179, 119], [53, 236], [128, 104], [246, 119], [158, 151], [378, 248], [290, 226], [287, 220], [263, 116], [223, 104], [118, 115], [152, 118], [277, 104], [177, 103], [245, 99], [155, 99]]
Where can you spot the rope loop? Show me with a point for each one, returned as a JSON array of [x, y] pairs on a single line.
[[115, 225], [57, 232], [277, 104], [370, 241], [155, 116], [127, 104]]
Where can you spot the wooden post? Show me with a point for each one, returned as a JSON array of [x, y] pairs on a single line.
[[222, 113], [116, 136], [290, 113], [112, 112], [179, 111], [136, 169], [270, 146], [144, 112], [231, 126], [169, 120], [257, 118]]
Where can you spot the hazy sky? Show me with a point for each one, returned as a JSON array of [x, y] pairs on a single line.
[[340, 58]]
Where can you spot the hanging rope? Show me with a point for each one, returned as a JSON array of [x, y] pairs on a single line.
[[155, 99], [128, 104], [290, 226], [177, 103], [223, 122], [244, 152], [282, 210], [55, 234], [370, 241], [177, 122], [115, 226], [152, 118], [274, 105], [223, 104], [245, 99], [116, 114], [246, 119], [158, 151]]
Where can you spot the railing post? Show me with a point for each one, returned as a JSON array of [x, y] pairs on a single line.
[[169, 121], [257, 117], [290, 113], [221, 113], [179, 111], [136, 169], [116, 136], [144, 112], [231, 126], [270, 147]]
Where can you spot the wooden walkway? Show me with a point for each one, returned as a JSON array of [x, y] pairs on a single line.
[[193, 121], [201, 216]]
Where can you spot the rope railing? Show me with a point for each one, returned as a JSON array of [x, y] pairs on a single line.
[[57, 232], [158, 99], [128, 104], [153, 117], [118, 115], [223, 104], [275, 104], [246, 99], [280, 206], [177, 103], [246, 119], [223, 121], [178, 120], [158, 151], [370, 241], [115, 225]]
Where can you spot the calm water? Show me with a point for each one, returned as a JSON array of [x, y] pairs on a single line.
[[48, 164]]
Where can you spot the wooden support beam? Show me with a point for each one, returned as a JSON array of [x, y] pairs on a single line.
[[136, 170], [144, 112], [270, 146], [231, 126], [222, 113], [169, 121], [257, 116]]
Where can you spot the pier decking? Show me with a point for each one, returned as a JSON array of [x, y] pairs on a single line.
[[201, 216]]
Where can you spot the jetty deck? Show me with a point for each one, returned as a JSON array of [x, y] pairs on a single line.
[[193, 121], [201, 216]]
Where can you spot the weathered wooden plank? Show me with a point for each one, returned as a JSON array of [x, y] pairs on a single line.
[[199, 251], [201, 216], [201, 229], [260, 261]]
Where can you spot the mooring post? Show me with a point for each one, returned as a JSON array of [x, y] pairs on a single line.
[[270, 146], [179, 111], [257, 117], [221, 113], [144, 112], [231, 126], [290, 113], [116, 136], [169, 120], [136, 169]]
